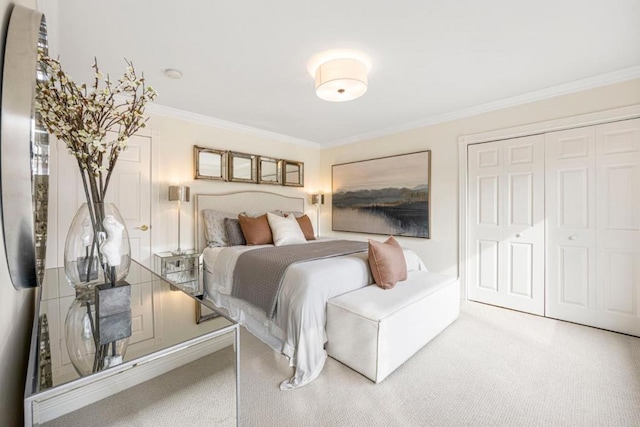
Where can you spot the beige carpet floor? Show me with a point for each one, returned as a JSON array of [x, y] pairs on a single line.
[[492, 367]]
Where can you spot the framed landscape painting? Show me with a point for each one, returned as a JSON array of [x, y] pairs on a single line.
[[388, 195]]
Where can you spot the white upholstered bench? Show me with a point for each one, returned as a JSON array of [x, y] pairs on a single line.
[[373, 330]]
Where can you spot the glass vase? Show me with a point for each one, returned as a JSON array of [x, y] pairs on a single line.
[[89, 242], [82, 335]]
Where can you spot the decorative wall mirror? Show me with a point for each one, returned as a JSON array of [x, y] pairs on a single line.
[[269, 171], [292, 173], [209, 163], [24, 150], [243, 167]]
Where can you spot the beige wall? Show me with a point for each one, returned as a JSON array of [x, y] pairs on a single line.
[[172, 147], [440, 253], [16, 308]]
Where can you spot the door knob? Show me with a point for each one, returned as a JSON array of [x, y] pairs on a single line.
[[143, 227], [518, 235], [572, 237]]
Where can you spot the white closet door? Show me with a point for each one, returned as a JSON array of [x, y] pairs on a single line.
[[618, 226], [506, 223], [593, 226], [570, 228]]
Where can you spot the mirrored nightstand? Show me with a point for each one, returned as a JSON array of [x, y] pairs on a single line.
[[182, 270]]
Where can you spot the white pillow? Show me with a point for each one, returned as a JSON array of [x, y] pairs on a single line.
[[285, 230]]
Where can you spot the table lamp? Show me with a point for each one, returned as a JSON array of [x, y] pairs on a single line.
[[317, 199], [179, 193]]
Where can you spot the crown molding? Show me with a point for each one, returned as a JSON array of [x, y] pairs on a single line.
[[175, 113], [539, 95]]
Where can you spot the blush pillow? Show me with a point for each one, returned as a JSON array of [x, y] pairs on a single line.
[[305, 225], [286, 230], [387, 262], [256, 230]]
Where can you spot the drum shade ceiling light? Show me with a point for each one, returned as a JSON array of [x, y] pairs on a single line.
[[341, 75]]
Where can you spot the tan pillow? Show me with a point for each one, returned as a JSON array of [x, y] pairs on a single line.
[[256, 230], [305, 225], [387, 262]]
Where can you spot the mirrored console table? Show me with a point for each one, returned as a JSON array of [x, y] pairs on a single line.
[[164, 336]]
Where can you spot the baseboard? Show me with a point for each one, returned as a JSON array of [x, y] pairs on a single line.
[[73, 400]]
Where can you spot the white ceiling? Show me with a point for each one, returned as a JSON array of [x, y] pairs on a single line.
[[246, 61]]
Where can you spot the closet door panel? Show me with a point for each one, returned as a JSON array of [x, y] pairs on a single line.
[[487, 191], [570, 225], [523, 176], [506, 223], [521, 265], [488, 265], [573, 280], [618, 226], [485, 234], [520, 199], [573, 191]]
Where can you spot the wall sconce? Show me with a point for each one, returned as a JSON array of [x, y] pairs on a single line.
[[317, 199], [179, 193]]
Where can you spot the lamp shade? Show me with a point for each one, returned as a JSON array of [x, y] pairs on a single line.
[[341, 79], [179, 193], [317, 199]]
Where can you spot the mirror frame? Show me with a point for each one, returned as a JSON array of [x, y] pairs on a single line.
[[290, 183], [254, 166], [196, 163], [278, 176], [25, 150]]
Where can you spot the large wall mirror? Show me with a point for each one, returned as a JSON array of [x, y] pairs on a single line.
[[24, 156], [209, 163], [242, 167]]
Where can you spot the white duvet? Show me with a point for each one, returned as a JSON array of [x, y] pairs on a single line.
[[298, 327]]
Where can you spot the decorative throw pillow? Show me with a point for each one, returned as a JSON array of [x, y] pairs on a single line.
[[305, 225], [214, 231], [387, 262], [256, 230], [286, 230], [234, 232]]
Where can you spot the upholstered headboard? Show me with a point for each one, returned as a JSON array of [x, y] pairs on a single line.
[[242, 201]]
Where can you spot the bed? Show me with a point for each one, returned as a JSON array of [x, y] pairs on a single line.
[[297, 328]]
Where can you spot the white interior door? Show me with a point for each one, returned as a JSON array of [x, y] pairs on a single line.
[[506, 223], [593, 226], [570, 230], [618, 226], [129, 189]]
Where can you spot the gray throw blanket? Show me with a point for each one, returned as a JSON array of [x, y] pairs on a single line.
[[259, 273]]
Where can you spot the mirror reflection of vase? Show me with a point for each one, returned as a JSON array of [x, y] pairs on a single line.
[[81, 336], [82, 248]]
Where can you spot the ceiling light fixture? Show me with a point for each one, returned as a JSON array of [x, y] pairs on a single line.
[[340, 75], [172, 73]]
